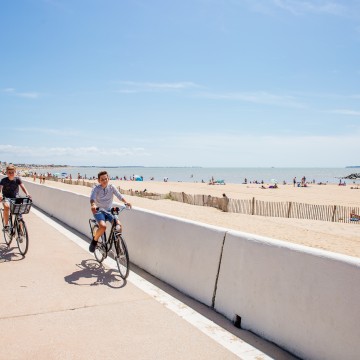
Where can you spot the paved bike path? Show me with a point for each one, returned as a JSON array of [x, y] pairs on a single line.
[[59, 303]]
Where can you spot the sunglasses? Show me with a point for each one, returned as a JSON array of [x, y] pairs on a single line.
[[11, 172]]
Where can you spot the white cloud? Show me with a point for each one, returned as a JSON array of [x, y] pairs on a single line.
[[9, 90], [154, 86], [241, 150], [259, 97], [27, 95], [201, 149], [59, 132], [318, 6], [299, 7], [70, 152], [345, 112]]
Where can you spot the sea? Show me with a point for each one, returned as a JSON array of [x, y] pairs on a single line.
[[235, 175]]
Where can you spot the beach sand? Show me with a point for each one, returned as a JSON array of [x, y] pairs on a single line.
[[335, 237]]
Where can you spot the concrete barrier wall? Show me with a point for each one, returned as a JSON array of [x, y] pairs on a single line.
[[302, 299], [184, 254]]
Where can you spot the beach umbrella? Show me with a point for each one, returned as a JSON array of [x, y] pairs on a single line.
[[138, 178], [274, 181]]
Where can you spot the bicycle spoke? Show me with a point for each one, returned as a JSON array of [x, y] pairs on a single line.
[[100, 250], [100, 253], [22, 237], [7, 236], [6, 233], [122, 256]]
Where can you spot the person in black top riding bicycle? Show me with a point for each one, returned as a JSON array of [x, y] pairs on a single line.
[[9, 189], [101, 200]]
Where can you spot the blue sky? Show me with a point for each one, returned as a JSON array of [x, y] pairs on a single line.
[[180, 83]]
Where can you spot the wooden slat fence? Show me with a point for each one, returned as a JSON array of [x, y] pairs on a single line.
[[333, 213], [242, 206]]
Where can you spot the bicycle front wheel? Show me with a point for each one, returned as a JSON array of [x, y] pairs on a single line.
[[22, 237], [122, 256]]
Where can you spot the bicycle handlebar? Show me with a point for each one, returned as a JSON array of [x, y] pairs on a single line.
[[115, 210]]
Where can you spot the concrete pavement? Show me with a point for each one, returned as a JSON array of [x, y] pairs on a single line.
[[59, 303]]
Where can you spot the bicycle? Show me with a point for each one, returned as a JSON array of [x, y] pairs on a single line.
[[16, 226], [114, 243]]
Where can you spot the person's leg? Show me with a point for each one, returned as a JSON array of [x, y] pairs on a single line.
[[100, 218], [118, 225], [100, 231], [6, 212]]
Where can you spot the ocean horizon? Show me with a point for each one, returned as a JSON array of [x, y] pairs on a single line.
[[235, 175]]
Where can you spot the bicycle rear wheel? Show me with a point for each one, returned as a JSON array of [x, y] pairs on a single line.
[[121, 256], [100, 250], [22, 237]]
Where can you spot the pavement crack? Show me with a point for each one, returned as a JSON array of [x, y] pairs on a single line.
[[52, 311]]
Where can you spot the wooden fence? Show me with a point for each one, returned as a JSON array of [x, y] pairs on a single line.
[[333, 213]]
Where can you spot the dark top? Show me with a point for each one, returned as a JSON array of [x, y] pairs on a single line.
[[10, 187]]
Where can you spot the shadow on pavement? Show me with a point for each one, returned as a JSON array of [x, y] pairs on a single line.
[[92, 273], [7, 254]]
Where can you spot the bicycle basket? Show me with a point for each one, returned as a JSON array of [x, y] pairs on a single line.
[[20, 205]]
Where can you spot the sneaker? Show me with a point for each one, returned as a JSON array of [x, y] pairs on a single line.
[[6, 228], [92, 246]]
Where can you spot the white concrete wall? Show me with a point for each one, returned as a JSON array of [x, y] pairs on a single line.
[[305, 300], [184, 254]]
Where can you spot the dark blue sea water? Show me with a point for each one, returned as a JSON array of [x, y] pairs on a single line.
[[198, 174]]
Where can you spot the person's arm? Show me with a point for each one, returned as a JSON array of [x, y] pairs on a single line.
[[23, 188], [92, 201], [1, 195], [93, 206], [121, 197]]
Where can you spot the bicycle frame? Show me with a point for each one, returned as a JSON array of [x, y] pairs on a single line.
[[114, 242], [16, 225]]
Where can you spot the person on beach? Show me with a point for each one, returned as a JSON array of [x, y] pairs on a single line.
[[101, 202], [9, 189]]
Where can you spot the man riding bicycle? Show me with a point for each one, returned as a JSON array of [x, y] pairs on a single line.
[[9, 189], [101, 200]]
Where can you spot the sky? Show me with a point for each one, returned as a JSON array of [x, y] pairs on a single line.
[[212, 83]]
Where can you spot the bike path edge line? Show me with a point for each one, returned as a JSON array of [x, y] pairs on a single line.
[[229, 341]]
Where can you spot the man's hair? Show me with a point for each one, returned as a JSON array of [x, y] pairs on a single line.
[[101, 173], [10, 167]]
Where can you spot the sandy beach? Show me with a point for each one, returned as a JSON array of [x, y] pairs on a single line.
[[335, 237]]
